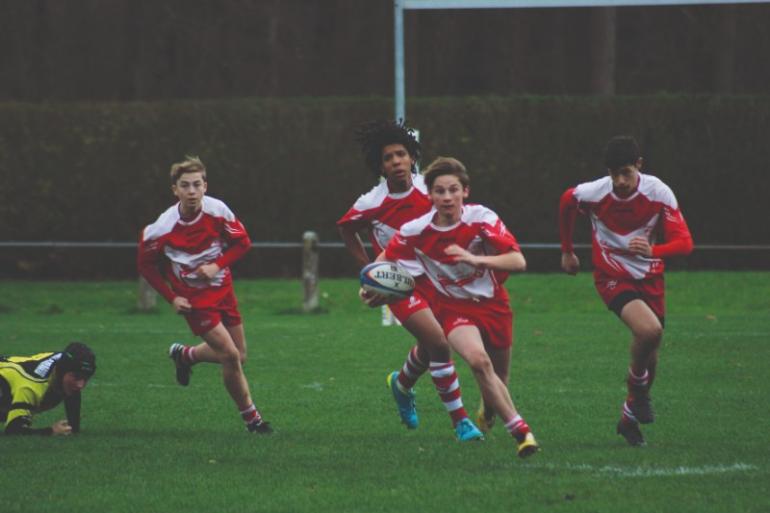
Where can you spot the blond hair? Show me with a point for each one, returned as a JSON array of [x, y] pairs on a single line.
[[446, 166], [191, 164]]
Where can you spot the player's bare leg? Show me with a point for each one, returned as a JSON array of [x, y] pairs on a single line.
[[501, 363], [647, 333], [432, 351], [467, 341], [186, 356], [221, 342], [430, 337], [204, 353]]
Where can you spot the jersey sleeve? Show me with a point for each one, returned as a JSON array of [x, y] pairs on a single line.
[[498, 236], [400, 247], [237, 238], [568, 210], [148, 261], [678, 240], [356, 218], [19, 419]]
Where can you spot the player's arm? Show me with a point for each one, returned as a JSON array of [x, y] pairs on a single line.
[[148, 260], [506, 255], [568, 210], [511, 261], [678, 240], [238, 244], [148, 263], [19, 419], [355, 246], [72, 409], [677, 235]]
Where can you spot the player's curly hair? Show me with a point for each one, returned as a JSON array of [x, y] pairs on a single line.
[[373, 136]]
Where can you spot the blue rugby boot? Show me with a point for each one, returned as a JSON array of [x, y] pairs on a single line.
[[405, 402], [467, 431]]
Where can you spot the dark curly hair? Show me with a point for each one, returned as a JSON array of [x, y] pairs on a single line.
[[375, 135]]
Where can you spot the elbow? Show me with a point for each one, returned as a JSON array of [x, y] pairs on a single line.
[[521, 263], [689, 246]]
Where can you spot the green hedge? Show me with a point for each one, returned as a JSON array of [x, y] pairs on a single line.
[[100, 171]]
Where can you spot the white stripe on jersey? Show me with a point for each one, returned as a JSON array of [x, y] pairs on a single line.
[[379, 192], [460, 280], [168, 219], [612, 246], [382, 232], [184, 264], [609, 242], [650, 186]]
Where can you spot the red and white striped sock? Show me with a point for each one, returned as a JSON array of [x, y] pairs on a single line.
[[448, 387], [251, 414], [188, 354], [413, 368], [517, 428], [638, 381], [627, 415]]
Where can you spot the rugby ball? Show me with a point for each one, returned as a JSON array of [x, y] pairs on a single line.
[[388, 279]]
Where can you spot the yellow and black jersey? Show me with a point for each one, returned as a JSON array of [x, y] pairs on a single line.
[[28, 386]]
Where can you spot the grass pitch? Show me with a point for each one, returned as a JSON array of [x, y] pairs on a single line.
[[150, 445]]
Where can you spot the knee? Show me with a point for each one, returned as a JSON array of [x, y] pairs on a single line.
[[480, 364], [230, 357], [650, 335], [242, 355]]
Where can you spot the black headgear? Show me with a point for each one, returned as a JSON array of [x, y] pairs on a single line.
[[78, 357]]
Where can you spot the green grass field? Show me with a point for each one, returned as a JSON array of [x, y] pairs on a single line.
[[150, 445]]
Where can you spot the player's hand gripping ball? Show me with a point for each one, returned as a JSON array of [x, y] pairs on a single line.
[[387, 279]]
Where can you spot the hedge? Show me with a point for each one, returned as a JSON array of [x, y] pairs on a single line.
[[85, 171]]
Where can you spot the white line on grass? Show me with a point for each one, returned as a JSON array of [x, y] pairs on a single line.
[[617, 471]]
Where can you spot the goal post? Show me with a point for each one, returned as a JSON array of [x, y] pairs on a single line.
[[399, 6]]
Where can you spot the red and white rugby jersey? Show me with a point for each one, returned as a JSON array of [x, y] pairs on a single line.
[[650, 211], [419, 247], [171, 249], [385, 212]]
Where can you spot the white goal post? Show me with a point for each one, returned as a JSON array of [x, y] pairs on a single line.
[[399, 6]]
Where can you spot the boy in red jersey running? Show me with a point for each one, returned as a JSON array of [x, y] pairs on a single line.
[[185, 255], [628, 210], [467, 252], [391, 151]]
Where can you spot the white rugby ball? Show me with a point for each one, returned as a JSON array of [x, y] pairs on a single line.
[[388, 279]]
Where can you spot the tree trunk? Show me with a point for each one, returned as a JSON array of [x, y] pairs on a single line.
[[603, 42], [724, 62]]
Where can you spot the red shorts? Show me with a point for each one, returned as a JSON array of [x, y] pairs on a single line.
[[492, 317], [618, 292], [423, 294], [202, 320]]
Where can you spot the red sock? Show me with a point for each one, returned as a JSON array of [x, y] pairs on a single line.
[[188, 354], [626, 415], [412, 370], [517, 428], [638, 381], [448, 388], [251, 414]]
